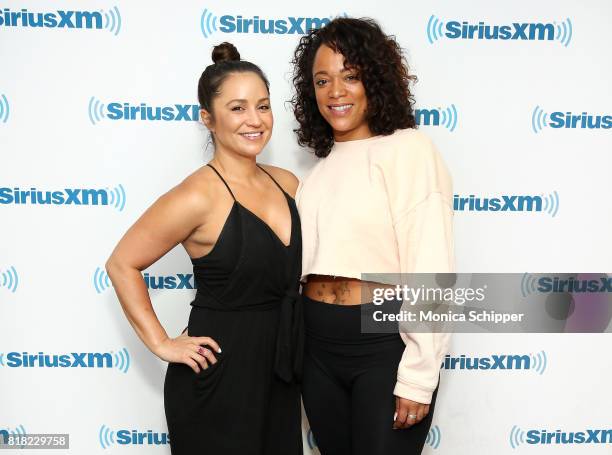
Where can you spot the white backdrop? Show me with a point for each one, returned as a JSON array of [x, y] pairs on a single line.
[[500, 106]]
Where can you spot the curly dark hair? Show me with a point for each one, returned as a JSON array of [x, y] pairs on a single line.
[[382, 69]]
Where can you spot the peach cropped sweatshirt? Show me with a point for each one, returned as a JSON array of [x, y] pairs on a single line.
[[383, 205]]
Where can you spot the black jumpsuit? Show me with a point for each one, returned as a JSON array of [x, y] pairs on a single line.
[[248, 403]]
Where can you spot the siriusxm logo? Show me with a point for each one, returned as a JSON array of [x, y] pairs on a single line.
[[446, 117], [108, 437], [536, 362], [98, 111], [434, 436], [68, 196], [540, 120], [102, 282], [9, 279], [547, 284], [509, 203], [178, 281], [549, 31], [277, 26], [587, 436], [6, 432], [109, 20], [119, 360], [4, 109]]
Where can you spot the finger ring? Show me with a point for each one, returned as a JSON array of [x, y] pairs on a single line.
[[200, 351], [412, 416]]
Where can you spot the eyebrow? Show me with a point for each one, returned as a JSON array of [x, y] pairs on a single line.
[[246, 101], [326, 73]]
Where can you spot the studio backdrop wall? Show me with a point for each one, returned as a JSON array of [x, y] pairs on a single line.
[[98, 118]]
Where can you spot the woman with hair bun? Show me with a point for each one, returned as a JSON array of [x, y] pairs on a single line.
[[379, 200], [231, 386]]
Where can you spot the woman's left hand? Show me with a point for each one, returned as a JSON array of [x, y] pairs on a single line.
[[408, 412]]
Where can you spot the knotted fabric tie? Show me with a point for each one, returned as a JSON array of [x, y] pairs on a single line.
[[290, 339]]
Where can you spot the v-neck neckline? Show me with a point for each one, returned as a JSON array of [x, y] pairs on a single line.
[[272, 231], [285, 195]]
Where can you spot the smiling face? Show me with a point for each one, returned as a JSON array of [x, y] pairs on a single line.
[[340, 95], [242, 116]]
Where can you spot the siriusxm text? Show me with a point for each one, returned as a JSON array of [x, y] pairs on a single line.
[[175, 112], [125, 437], [507, 203], [178, 281], [71, 360], [54, 19], [493, 362], [583, 120], [556, 284], [289, 26], [589, 436], [67, 196], [514, 31]]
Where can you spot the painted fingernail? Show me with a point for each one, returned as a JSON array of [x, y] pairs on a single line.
[[219, 350]]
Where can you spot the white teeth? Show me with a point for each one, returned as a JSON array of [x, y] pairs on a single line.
[[252, 135], [344, 107]]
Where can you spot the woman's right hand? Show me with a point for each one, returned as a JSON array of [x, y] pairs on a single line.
[[189, 350]]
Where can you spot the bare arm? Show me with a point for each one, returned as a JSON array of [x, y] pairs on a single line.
[[166, 223]]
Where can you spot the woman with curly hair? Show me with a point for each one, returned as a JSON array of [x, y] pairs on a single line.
[[379, 200]]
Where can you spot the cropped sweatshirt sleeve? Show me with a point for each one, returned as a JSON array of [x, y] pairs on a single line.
[[419, 191]]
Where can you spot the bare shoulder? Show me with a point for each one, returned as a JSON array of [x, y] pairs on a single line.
[[285, 178], [168, 221], [196, 193]]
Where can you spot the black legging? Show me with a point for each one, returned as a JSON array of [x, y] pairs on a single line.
[[348, 385]]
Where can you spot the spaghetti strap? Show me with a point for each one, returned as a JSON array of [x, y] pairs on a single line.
[[269, 175], [223, 180]]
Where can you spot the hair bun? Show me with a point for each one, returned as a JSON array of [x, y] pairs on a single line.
[[225, 52]]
